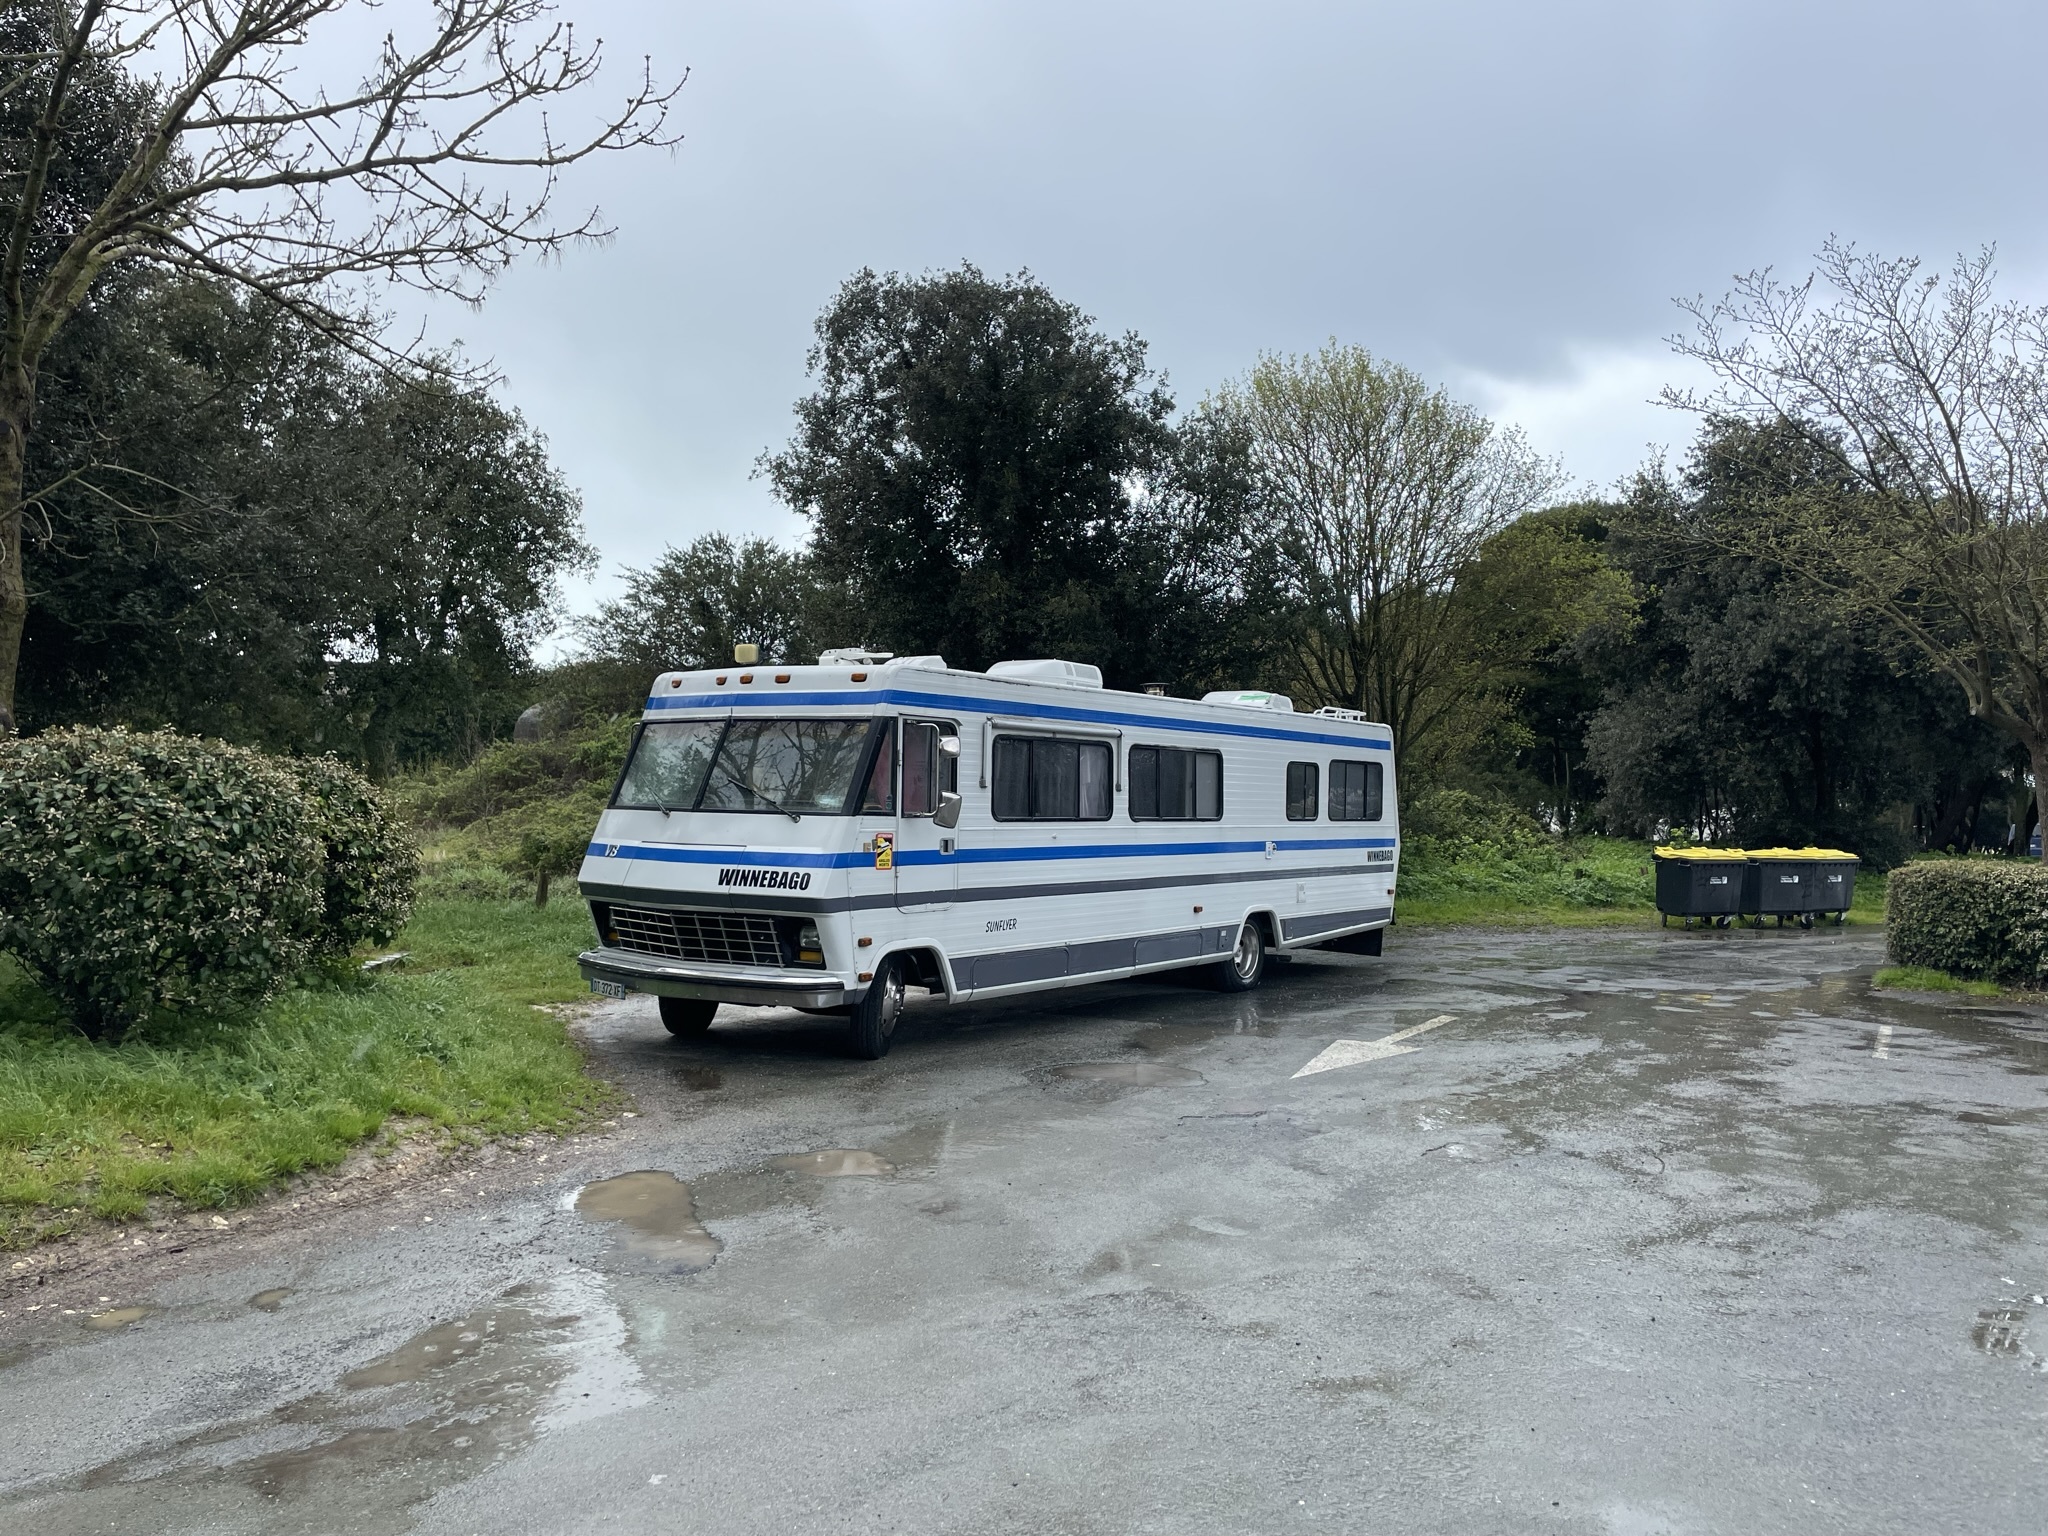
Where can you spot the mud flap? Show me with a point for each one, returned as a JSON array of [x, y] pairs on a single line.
[[1370, 942]]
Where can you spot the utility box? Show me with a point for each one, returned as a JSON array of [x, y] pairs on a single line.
[[1703, 883]]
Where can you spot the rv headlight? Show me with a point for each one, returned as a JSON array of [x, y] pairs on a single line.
[[809, 950]]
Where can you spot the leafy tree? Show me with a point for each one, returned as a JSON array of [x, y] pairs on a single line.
[[443, 157], [696, 603], [969, 461], [1742, 709], [295, 549], [1385, 491], [1540, 592], [1928, 403]]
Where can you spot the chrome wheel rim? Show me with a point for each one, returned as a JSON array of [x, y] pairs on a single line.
[[892, 1000], [1246, 955]]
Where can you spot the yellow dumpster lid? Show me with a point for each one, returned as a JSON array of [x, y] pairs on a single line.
[[1735, 854], [1809, 854]]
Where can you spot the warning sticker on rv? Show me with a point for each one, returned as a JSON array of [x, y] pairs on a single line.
[[885, 850]]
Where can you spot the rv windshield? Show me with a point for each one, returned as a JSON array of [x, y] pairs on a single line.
[[790, 767]]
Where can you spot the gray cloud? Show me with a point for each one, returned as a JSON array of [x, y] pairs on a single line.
[[1503, 195]]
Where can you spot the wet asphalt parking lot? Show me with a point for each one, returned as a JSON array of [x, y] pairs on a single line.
[[1645, 1232]]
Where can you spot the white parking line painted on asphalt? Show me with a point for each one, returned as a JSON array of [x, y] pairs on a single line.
[[1351, 1053], [1884, 1041]]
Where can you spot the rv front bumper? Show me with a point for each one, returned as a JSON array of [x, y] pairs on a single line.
[[753, 986]]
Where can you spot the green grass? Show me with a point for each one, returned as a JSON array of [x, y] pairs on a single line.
[[1588, 882], [1922, 978], [209, 1112]]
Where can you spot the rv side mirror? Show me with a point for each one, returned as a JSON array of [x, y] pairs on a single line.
[[948, 813], [950, 745]]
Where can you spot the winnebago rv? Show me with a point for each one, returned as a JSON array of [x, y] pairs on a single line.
[[824, 837]]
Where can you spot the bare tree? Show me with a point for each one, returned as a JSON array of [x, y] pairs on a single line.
[[1930, 397], [230, 159], [1386, 491]]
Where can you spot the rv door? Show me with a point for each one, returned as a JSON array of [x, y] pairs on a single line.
[[927, 866]]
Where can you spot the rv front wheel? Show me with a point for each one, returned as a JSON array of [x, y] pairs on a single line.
[[1246, 967], [687, 1016], [872, 1023]]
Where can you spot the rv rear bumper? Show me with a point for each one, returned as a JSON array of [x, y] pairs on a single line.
[[751, 986]]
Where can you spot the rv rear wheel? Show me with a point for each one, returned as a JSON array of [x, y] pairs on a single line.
[[871, 1023], [1246, 967], [687, 1016]]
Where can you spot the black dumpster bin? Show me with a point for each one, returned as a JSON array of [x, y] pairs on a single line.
[[1799, 883], [1704, 883]]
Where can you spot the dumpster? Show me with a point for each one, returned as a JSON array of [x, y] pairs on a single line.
[[1799, 883], [1703, 883]]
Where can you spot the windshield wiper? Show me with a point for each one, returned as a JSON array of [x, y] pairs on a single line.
[[754, 794]]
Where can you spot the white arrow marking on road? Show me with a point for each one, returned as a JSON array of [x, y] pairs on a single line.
[[1351, 1053]]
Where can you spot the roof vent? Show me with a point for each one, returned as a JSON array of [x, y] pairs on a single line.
[[854, 656], [1251, 698], [1068, 674]]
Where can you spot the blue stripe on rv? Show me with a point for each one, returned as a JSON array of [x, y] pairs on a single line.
[[914, 856], [1017, 708]]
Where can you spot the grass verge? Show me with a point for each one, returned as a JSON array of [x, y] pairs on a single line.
[[1923, 978], [208, 1112], [1587, 882]]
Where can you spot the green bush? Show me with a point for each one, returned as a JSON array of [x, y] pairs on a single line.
[[551, 841], [1449, 826], [1971, 917], [372, 863], [145, 871]]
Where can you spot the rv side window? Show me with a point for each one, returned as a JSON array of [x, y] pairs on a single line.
[[880, 795], [1301, 791], [1043, 779], [920, 768], [1356, 791], [1171, 784], [928, 773]]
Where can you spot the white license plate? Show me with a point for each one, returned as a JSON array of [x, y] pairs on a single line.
[[608, 988]]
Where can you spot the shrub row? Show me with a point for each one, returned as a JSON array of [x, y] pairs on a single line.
[[143, 871], [1971, 917]]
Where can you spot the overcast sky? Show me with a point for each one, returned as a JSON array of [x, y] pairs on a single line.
[[1504, 195]]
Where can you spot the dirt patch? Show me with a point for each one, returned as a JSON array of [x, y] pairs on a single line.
[[409, 1175]]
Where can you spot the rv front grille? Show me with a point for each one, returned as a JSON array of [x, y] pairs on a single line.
[[717, 938]]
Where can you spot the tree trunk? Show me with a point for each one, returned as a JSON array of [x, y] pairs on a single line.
[[540, 889], [2038, 751], [14, 416]]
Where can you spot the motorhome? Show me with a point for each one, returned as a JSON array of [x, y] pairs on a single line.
[[828, 837]]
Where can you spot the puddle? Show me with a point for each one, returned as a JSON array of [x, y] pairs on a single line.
[[442, 1408], [657, 1220], [701, 1079], [836, 1164], [113, 1319], [270, 1301], [1978, 1117], [1126, 1074]]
